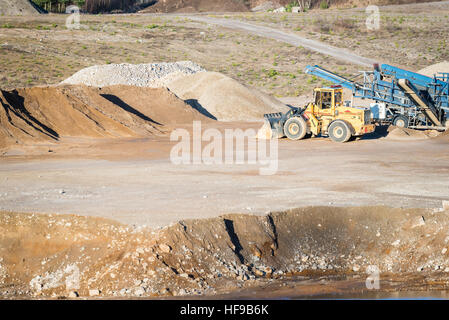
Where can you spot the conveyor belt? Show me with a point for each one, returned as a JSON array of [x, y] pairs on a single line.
[[425, 106]]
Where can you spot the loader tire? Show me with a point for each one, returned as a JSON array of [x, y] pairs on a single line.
[[401, 121], [339, 131], [295, 128]]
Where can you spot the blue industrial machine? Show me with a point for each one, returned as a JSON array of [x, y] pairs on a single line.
[[402, 97]]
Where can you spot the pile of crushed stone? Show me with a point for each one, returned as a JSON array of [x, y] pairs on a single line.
[[433, 69], [223, 98], [152, 75], [18, 8], [397, 133]]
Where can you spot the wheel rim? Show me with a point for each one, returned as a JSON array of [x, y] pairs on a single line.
[[293, 128], [400, 123], [338, 132]]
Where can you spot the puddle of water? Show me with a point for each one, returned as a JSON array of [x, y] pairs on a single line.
[[381, 295]]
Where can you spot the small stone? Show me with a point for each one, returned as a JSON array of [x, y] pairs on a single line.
[[165, 248], [259, 273], [446, 269], [444, 250], [73, 294], [181, 292], [396, 243], [356, 268], [244, 277], [62, 191], [268, 270], [184, 275], [140, 291], [94, 292], [419, 222]]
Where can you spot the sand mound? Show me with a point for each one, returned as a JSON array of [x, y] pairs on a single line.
[[223, 98], [17, 7], [396, 133], [435, 68], [44, 114], [153, 75]]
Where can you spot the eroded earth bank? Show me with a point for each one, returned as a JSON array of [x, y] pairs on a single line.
[[322, 250]]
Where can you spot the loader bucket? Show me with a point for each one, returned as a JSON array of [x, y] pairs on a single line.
[[272, 128]]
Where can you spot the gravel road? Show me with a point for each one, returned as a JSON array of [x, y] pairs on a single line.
[[290, 38]]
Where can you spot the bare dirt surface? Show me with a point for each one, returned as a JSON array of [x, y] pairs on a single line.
[[133, 180]]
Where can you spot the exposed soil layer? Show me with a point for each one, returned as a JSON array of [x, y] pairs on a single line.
[[58, 255], [45, 114]]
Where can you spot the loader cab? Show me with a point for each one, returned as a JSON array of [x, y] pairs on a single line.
[[326, 99]]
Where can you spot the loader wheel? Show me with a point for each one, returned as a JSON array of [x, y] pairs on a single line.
[[295, 128], [339, 131], [401, 121]]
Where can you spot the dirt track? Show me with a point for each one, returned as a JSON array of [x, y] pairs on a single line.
[[338, 53], [134, 182]]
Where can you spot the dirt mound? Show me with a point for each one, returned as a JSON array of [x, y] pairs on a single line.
[[17, 7], [56, 255], [397, 133], [431, 70], [223, 98], [44, 114]]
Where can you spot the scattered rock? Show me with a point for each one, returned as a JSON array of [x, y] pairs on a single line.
[[94, 292], [420, 221], [140, 291], [165, 248]]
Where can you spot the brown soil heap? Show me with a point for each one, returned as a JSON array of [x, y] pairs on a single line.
[[44, 114]]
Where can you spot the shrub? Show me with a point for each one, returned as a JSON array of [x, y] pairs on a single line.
[[324, 5]]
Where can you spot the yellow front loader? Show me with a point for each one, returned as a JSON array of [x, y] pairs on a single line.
[[326, 115]]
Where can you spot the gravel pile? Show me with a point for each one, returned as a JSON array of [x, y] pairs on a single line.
[[433, 69], [152, 75]]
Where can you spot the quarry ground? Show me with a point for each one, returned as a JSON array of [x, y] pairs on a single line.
[[134, 181], [99, 208]]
